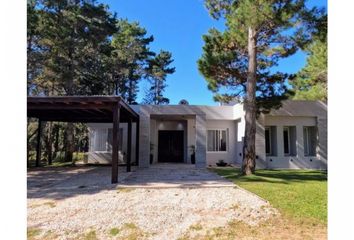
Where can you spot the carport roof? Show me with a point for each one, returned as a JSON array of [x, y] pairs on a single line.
[[79, 109]]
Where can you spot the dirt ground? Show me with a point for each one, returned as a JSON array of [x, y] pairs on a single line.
[[161, 202]]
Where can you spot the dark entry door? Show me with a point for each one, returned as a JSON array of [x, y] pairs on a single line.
[[170, 146]]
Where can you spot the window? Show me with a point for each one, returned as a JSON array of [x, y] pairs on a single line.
[[110, 139], [310, 141], [271, 140], [289, 140], [268, 141], [217, 140], [286, 138]]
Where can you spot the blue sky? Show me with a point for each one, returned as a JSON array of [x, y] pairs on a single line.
[[178, 26]]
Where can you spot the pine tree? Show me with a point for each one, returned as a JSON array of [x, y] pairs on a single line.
[[310, 83], [258, 33], [129, 55], [157, 70], [73, 41], [80, 48], [34, 52]]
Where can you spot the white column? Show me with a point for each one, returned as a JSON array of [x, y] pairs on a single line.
[[280, 141], [300, 141], [190, 137], [322, 141], [200, 154], [260, 143], [144, 138]]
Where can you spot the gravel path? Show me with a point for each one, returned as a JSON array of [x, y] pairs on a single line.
[[76, 207]]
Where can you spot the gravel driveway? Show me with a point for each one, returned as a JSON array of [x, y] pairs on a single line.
[[161, 202]]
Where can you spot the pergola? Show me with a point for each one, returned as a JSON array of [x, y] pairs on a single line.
[[93, 109]]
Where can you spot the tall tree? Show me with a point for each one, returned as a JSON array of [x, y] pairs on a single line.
[[157, 71], [79, 48], [74, 36], [310, 83], [258, 33], [34, 53], [129, 55]]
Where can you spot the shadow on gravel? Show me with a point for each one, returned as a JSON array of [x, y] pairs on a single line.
[[65, 182]]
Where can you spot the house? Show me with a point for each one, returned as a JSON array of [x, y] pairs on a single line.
[[293, 136]]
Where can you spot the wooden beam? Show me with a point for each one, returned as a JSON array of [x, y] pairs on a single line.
[[115, 143], [137, 142], [60, 106], [129, 109], [38, 148], [79, 99], [129, 155]]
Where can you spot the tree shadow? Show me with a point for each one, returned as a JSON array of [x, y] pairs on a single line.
[[175, 176], [64, 182], [273, 176], [294, 175]]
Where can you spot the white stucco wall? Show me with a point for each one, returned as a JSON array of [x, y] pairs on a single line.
[[299, 161], [196, 120], [98, 133], [230, 155]]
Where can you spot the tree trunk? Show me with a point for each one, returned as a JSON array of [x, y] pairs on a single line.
[[130, 91], [50, 143], [69, 145], [28, 145], [56, 140], [249, 147]]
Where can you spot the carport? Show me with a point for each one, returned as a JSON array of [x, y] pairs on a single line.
[[92, 109]]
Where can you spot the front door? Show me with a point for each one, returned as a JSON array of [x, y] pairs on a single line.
[[170, 146]]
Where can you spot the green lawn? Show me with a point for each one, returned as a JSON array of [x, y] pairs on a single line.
[[58, 159], [299, 194]]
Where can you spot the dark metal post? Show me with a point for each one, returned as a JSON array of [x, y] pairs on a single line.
[[137, 142], [38, 148], [115, 143], [129, 156]]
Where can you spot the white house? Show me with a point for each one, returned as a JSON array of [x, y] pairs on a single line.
[[294, 136]]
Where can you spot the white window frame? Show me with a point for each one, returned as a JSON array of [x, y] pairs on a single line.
[[270, 141], [289, 145], [307, 154], [227, 139], [306, 136]]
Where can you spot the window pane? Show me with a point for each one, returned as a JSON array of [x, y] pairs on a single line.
[[110, 139], [286, 140], [267, 140], [312, 141], [223, 141], [217, 140], [211, 140], [306, 142]]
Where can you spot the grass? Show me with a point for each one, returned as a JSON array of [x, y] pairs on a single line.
[[49, 204], [299, 195], [128, 231], [90, 235], [275, 229], [32, 233], [196, 227], [125, 190], [58, 159], [114, 231]]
